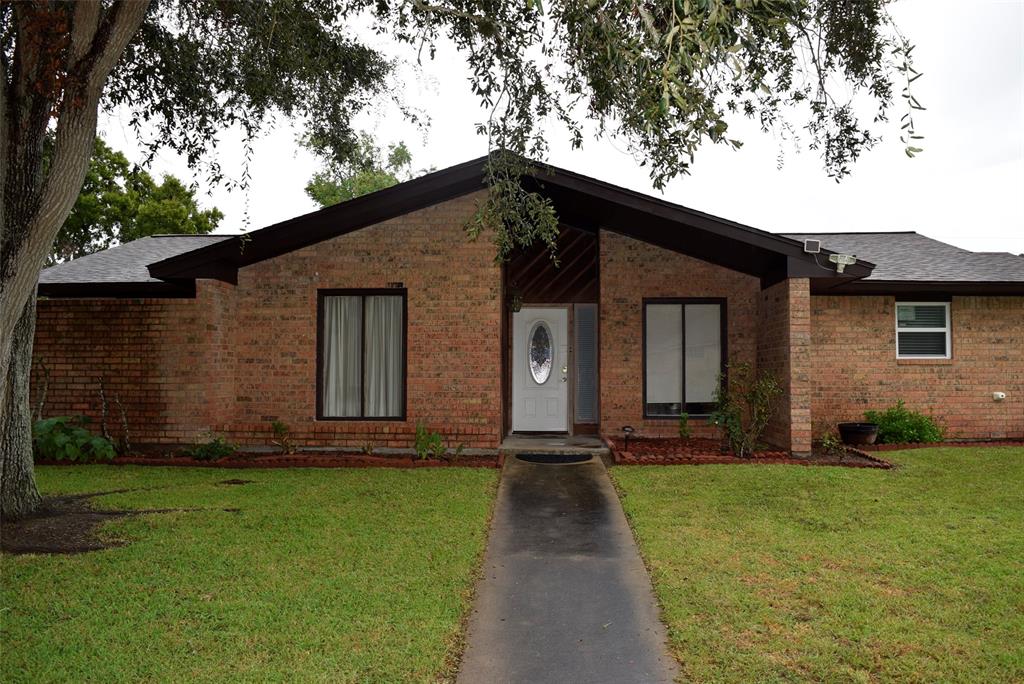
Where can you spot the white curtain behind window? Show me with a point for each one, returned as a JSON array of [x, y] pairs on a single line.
[[342, 355], [383, 388], [703, 352], [664, 354]]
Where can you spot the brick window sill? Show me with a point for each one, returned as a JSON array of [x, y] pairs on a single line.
[[924, 362]]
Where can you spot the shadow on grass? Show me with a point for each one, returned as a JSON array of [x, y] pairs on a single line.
[[68, 525]]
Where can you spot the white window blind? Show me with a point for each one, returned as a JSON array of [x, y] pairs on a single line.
[[922, 330]]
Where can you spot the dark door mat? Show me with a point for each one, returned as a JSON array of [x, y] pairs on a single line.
[[554, 459]]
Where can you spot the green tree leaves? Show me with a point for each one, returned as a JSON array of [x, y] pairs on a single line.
[[120, 202], [368, 170]]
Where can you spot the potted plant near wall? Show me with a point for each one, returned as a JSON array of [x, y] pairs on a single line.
[[858, 433]]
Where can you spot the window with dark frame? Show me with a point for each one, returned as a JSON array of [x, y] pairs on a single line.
[[684, 355], [361, 354]]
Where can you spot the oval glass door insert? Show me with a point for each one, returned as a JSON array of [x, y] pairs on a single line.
[[542, 352]]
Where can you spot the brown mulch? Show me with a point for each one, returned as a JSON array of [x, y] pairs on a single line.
[[300, 460], [68, 525], [702, 451]]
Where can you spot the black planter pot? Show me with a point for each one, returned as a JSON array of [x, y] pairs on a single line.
[[858, 433]]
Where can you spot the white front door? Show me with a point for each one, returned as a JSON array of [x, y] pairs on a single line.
[[540, 368]]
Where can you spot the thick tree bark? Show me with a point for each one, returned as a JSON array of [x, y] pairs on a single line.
[[58, 61], [18, 493]]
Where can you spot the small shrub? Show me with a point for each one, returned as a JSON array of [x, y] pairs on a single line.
[[899, 425], [684, 425], [746, 403], [428, 443], [211, 450], [282, 437], [63, 438], [368, 449], [831, 444]]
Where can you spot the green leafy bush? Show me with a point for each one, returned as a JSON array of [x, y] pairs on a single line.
[[831, 444], [64, 438], [899, 425], [212, 450], [428, 443], [684, 425], [746, 403]]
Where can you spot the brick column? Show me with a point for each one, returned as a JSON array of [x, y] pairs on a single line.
[[783, 349]]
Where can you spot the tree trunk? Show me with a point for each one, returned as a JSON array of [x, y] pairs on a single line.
[[63, 55], [18, 493]]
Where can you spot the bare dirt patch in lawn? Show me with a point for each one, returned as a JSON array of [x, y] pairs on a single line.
[[68, 525]]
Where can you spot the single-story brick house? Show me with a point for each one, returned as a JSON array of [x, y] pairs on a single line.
[[354, 323]]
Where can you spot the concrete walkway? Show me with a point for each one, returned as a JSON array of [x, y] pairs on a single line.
[[564, 596]]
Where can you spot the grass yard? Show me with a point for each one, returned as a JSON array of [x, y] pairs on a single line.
[[323, 575], [775, 573]]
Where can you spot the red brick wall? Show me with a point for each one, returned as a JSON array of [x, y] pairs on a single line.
[[855, 367], [632, 270], [783, 349], [235, 358], [166, 360], [454, 330]]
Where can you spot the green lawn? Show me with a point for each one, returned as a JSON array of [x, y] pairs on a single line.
[[324, 575], [776, 573]]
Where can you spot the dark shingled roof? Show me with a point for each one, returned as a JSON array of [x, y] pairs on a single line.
[[125, 263], [912, 257]]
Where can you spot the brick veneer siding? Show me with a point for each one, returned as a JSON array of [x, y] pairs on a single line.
[[454, 330], [855, 366], [235, 358], [632, 270], [783, 349], [168, 362]]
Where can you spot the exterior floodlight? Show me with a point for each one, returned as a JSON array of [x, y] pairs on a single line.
[[842, 261]]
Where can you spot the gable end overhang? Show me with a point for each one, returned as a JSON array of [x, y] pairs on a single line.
[[581, 202], [222, 260]]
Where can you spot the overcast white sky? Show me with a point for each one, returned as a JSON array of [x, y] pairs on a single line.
[[966, 188]]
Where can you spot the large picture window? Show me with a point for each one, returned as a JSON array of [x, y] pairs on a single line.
[[684, 354], [361, 354], [922, 330]]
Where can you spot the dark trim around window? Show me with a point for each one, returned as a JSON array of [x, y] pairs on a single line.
[[693, 410], [361, 292]]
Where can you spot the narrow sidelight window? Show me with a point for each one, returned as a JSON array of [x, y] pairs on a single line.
[[922, 330], [683, 356], [362, 354]]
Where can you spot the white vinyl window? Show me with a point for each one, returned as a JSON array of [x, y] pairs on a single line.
[[922, 330]]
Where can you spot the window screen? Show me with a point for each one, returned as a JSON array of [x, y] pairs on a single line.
[[922, 330]]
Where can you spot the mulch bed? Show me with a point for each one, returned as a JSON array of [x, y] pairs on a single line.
[[932, 445], [300, 460], [67, 525], [702, 451]]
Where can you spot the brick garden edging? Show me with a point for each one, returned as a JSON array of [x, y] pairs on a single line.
[[707, 452], [318, 460], [935, 445]]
